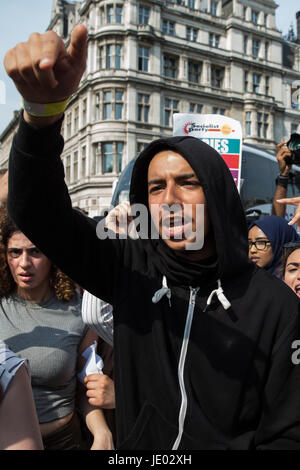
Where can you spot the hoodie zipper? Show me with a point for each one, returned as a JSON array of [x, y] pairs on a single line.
[[186, 337]]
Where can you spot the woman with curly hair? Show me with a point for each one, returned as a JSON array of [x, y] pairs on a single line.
[[40, 320]]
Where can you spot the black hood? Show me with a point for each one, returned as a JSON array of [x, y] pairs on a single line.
[[223, 201]]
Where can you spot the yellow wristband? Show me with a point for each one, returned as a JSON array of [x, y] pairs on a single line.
[[44, 110]]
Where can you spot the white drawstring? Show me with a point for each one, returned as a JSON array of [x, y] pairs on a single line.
[[220, 294], [164, 290]]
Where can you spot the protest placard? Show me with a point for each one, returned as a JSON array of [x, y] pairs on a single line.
[[220, 132]]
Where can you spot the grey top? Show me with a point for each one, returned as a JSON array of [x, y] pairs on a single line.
[[9, 365], [48, 335]]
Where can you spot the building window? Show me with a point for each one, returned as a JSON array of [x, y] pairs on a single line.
[[69, 125], [170, 67], [246, 81], [114, 14], [113, 104], [295, 97], [97, 107], [265, 19], [118, 104], [76, 118], [196, 108], [110, 56], [107, 105], [217, 110], [143, 107], [113, 56], [256, 82], [144, 15], [191, 34], [83, 162], [83, 114], [120, 147], [248, 123], [266, 126], [68, 168], [194, 72], [245, 45], [110, 14], [214, 39], [111, 157], [171, 106], [254, 16], [168, 27], [143, 58], [262, 125], [75, 166], [191, 4], [267, 46], [217, 77], [294, 128], [255, 47], [107, 158], [267, 90], [140, 147], [213, 8], [244, 13]]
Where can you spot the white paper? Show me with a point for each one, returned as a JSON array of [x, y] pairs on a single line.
[[94, 363]]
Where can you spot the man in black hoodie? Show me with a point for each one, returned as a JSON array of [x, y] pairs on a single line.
[[202, 338]]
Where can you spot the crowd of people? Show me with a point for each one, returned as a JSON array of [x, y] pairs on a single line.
[[196, 343]]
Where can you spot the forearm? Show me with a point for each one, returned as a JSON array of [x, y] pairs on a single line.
[[279, 209], [95, 422]]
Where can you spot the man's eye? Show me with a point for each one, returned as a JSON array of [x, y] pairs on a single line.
[[155, 188], [190, 183]]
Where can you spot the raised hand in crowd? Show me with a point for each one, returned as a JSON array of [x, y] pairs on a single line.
[[44, 71], [282, 180], [119, 220], [295, 201], [282, 153]]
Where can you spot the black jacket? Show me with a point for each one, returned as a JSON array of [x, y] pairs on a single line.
[[188, 375]]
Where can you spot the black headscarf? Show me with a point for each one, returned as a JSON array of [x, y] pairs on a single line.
[[225, 211]]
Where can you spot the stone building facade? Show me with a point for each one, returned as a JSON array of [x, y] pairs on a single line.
[[149, 59]]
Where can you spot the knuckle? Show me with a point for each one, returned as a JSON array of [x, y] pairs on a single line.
[[105, 380], [25, 69], [34, 37], [50, 34]]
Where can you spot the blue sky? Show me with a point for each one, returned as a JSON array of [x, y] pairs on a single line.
[[19, 18]]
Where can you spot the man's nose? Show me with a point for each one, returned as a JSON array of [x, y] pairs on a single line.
[[171, 196]]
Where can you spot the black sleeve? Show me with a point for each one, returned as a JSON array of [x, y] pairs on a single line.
[[279, 427], [39, 204]]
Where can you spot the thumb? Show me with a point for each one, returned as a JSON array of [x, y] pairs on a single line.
[[78, 44]]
